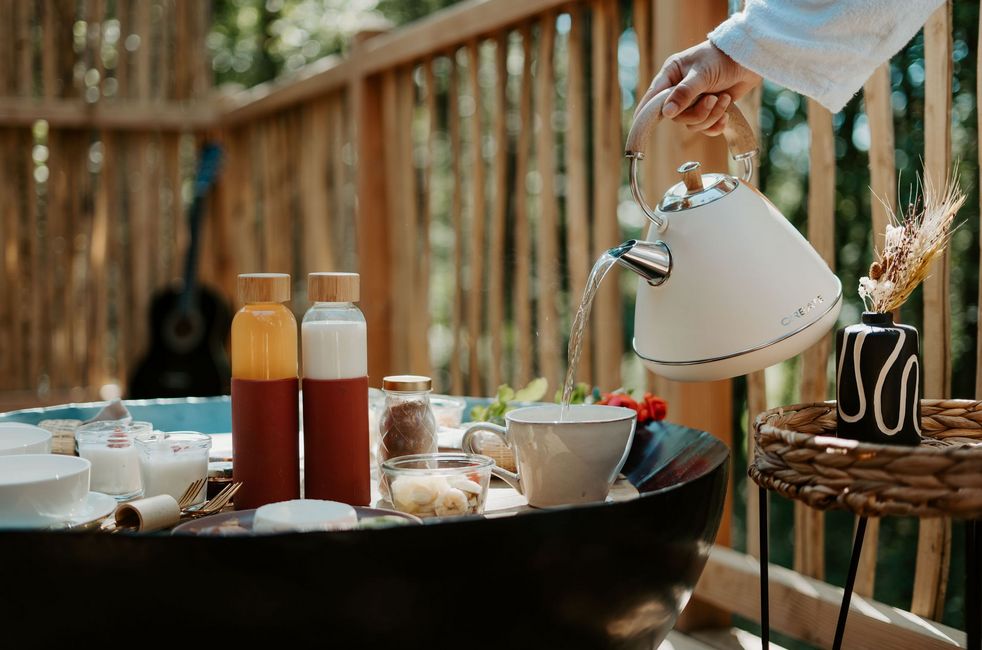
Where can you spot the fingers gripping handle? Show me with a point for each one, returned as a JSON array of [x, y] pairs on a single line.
[[740, 137]]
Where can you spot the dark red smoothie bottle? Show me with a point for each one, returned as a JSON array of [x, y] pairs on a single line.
[[265, 408], [335, 391]]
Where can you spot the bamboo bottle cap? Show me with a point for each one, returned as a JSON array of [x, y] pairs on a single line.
[[264, 287], [333, 287]]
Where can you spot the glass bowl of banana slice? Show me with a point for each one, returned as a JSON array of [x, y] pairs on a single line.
[[438, 485]]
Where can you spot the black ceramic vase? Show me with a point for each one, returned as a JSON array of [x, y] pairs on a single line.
[[878, 381]]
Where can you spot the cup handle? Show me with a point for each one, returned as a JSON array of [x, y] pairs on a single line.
[[467, 444]]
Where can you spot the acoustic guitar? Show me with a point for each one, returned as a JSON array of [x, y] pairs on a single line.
[[188, 323]]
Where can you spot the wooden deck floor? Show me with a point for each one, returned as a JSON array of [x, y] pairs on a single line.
[[722, 639]]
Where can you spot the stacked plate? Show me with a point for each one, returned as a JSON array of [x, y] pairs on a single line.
[[19, 438]]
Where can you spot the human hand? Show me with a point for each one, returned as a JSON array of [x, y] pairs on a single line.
[[706, 81]]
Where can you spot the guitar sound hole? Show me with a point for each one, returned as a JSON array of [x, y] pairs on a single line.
[[183, 327], [184, 331]]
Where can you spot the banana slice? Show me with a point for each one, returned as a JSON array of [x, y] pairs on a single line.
[[451, 502], [414, 492], [465, 485]]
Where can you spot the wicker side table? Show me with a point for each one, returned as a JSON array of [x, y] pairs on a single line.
[[799, 456]]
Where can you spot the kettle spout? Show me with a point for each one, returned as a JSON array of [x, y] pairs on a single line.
[[652, 260]]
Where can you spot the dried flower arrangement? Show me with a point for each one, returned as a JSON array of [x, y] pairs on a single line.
[[912, 244]]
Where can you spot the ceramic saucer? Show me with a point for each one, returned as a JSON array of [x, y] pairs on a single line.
[[97, 506], [239, 522]]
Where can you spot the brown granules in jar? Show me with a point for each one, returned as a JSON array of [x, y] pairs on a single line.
[[407, 428]]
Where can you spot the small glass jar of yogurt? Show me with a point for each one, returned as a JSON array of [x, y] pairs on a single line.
[[171, 462], [110, 447]]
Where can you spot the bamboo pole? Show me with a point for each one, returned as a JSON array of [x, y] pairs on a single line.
[[11, 359], [706, 406], [523, 247], [141, 19], [166, 60], [374, 248], [98, 262], [934, 536], [577, 190], [606, 317], [456, 219], [343, 231], [809, 531], [499, 214], [317, 213], [24, 49], [175, 217], [546, 240], [417, 356], [756, 381], [426, 209], [641, 19], [883, 184], [478, 216]]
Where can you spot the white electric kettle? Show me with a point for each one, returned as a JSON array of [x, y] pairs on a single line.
[[728, 285]]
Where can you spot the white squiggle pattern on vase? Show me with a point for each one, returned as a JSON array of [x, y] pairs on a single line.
[[860, 337], [911, 365]]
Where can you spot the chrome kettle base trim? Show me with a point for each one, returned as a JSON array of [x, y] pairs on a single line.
[[838, 299]]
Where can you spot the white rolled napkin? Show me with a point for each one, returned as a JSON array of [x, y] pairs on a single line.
[[148, 515]]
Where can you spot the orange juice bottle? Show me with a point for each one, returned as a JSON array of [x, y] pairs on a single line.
[[265, 412]]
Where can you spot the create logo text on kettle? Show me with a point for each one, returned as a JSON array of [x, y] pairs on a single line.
[[802, 311]]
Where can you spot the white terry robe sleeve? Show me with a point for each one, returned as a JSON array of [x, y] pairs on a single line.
[[825, 49]]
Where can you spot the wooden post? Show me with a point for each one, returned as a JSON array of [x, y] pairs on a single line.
[[809, 530], [546, 239], [708, 405], [577, 190], [457, 220], [477, 232], [756, 382], [499, 213], [607, 165], [934, 535], [883, 184], [374, 247], [523, 245]]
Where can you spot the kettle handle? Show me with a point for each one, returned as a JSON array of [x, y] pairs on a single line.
[[740, 140], [740, 137]]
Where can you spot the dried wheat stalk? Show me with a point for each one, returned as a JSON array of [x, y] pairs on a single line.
[[912, 244]]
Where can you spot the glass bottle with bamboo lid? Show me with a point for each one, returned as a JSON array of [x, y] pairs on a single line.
[[335, 392], [407, 425], [264, 331], [265, 393]]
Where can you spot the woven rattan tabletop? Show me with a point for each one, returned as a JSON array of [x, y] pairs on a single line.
[[799, 456]]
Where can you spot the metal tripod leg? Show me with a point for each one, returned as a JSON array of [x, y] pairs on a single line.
[[765, 626], [973, 624], [857, 550]]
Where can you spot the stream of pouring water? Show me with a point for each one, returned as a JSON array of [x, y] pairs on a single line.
[[580, 320]]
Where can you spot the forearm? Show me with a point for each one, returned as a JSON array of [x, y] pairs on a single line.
[[825, 49]]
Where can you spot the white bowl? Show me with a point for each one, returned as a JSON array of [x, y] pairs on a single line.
[[38, 490], [304, 516], [20, 438]]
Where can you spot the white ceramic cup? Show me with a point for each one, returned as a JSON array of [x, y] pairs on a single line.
[[20, 438], [38, 490], [562, 462]]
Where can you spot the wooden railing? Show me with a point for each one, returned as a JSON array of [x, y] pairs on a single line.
[[469, 166]]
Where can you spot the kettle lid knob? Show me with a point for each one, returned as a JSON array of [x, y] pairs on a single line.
[[691, 176]]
